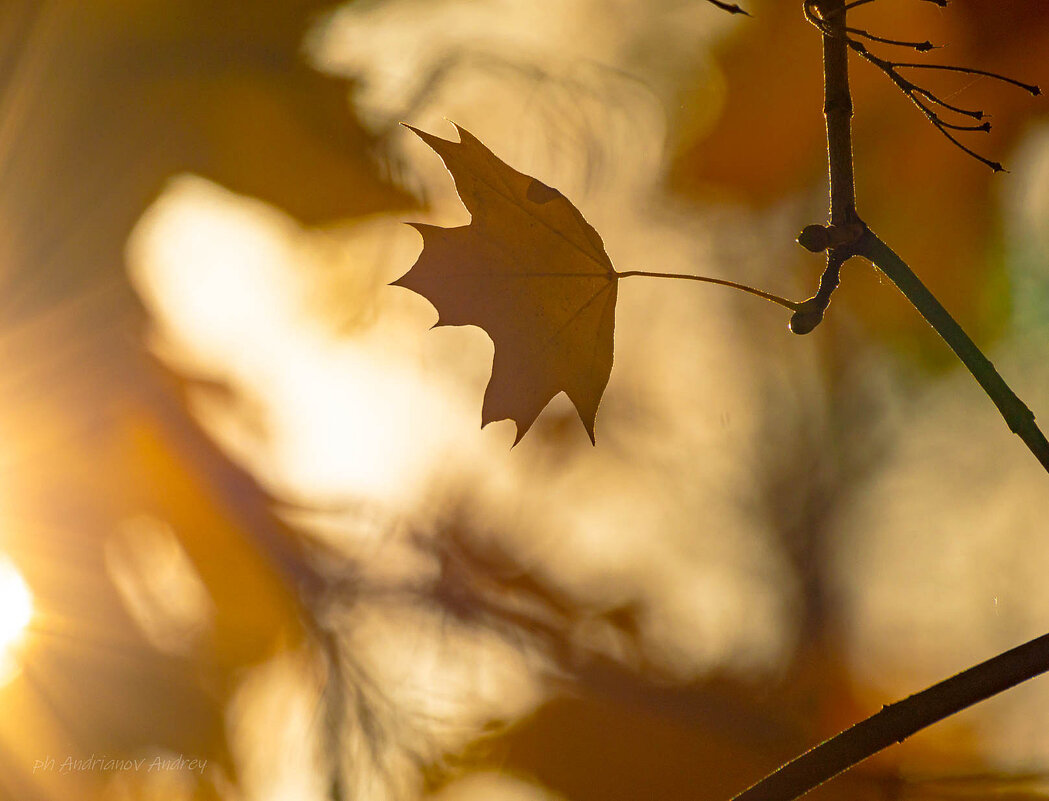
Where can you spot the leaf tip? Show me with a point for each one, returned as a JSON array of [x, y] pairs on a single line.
[[488, 416], [401, 282], [588, 424], [521, 431], [418, 132], [586, 408], [465, 137], [432, 140]]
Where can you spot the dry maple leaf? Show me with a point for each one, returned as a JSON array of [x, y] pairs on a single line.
[[529, 271]]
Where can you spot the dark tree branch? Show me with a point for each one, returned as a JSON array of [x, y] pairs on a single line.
[[1018, 417], [829, 19], [837, 107], [896, 722], [848, 236]]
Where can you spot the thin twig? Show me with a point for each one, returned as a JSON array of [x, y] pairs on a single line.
[[921, 47], [976, 114], [854, 4], [828, 17], [913, 92], [896, 722], [1027, 87], [731, 8]]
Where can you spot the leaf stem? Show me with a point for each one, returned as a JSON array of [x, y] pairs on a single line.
[[788, 304]]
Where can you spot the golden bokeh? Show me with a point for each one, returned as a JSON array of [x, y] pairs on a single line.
[[253, 522]]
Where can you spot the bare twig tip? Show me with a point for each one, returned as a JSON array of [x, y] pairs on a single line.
[[805, 322], [731, 8]]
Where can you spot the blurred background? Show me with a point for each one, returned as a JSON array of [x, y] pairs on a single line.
[[253, 541]]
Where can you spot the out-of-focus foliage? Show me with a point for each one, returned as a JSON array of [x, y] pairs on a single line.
[[775, 536], [158, 572]]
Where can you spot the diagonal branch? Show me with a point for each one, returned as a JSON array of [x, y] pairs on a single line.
[[896, 722], [1019, 418], [829, 15]]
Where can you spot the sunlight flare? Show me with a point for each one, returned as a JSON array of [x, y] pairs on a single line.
[[16, 610]]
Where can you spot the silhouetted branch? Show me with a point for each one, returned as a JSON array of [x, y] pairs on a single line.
[[1027, 87], [837, 107], [896, 722], [921, 47], [854, 239], [731, 8], [829, 19], [915, 92], [1019, 418], [848, 236]]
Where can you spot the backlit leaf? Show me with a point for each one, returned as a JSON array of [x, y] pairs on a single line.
[[532, 273]]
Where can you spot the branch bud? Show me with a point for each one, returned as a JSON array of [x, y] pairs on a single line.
[[808, 316], [814, 238]]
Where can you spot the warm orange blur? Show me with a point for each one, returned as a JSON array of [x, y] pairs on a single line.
[[260, 547]]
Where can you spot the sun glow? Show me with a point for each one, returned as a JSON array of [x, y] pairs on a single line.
[[16, 610]]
